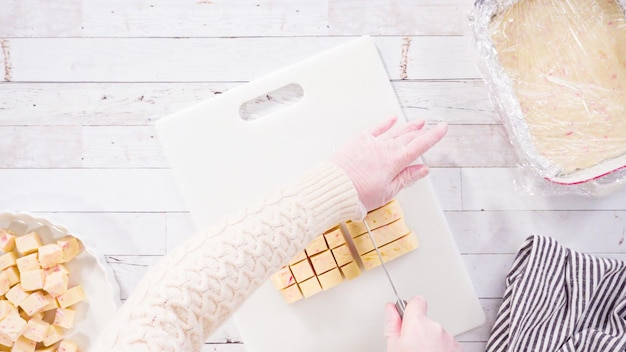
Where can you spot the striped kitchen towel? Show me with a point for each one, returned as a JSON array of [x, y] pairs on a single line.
[[557, 299]]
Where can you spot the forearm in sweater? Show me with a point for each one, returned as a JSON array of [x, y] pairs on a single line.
[[195, 288]]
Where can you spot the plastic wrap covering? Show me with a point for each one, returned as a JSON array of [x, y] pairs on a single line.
[[556, 72]]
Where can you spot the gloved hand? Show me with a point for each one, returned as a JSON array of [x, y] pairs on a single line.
[[417, 332], [379, 161]]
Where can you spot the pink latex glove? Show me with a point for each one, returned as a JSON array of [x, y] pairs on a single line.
[[379, 161], [417, 332]]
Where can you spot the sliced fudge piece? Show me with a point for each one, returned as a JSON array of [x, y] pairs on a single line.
[[330, 279], [382, 236], [390, 251], [342, 255], [291, 293], [350, 270], [316, 246], [323, 262], [310, 287], [302, 270], [282, 278], [334, 237], [376, 218]]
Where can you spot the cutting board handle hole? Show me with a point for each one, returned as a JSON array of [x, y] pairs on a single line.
[[266, 104]]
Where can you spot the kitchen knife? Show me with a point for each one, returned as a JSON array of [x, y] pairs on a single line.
[[400, 303]]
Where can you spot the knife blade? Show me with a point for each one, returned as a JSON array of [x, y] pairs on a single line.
[[400, 303]]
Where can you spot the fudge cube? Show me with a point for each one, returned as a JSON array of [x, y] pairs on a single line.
[[302, 270], [52, 303], [382, 236], [68, 346], [376, 218], [310, 287], [323, 262], [33, 280], [34, 303], [5, 341], [28, 243], [342, 255], [291, 293], [350, 270], [7, 240], [7, 308], [36, 330], [13, 275], [281, 279], [28, 263], [56, 283], [390, 251], [330, 279], [70, 247], [58, 267], [317, 245], [24, 344], [7, 260], [26, 317], [16, 295], [334, 237], [71, 296], [12, 326], [50, 255], [5, 283], [65, 317], [299, 257], [53, 335]]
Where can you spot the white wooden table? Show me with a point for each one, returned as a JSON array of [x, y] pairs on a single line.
[[82, 82]]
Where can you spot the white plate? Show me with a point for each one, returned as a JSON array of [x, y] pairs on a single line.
[[86, 269]]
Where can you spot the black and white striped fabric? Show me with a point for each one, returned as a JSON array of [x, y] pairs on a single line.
[[557, 299]]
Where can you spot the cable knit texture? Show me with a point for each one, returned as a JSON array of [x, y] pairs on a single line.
[[186, 296]]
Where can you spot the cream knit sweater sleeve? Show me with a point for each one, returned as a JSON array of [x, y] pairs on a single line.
[[186, 296]]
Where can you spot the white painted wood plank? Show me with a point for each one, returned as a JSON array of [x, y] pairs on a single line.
[[5, 62], [194, 18], [179, 228], [94, 190], [387, 17], [218, 18], [40, 146], [499, 232], [457, 102], [116, 233], [220, 59], [120, 147], [455, 58], [36, 18], [129, 270], [99, 104], [138, 147], [499, 189], [123, 104], [472, 146]]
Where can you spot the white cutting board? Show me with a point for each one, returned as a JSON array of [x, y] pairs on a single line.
[[223, 162]]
